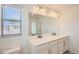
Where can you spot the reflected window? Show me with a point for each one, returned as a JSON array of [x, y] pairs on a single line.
[[34, 28]]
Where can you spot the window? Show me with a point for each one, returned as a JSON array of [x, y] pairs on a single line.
[[11, 20]]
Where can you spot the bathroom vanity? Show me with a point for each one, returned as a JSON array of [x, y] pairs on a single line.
[[49, 44]]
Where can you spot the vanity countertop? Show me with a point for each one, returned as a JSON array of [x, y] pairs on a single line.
[[35, 41]]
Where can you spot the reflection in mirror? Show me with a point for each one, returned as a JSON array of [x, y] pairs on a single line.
[[39, 24], [34, 29]]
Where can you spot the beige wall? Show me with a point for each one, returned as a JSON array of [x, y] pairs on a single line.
[[69, 22]]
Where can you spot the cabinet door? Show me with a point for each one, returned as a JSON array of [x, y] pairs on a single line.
[[43, 49], [60, 46], [66, 45], [54, 49]]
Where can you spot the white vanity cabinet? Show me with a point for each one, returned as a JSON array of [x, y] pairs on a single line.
[[52, 45]]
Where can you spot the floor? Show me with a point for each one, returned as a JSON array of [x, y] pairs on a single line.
[[68, 52]]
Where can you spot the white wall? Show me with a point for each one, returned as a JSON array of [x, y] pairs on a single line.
[[69, 22], [7, 42]]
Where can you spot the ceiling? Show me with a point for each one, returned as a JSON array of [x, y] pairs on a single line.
[[61, 7], [57, 7]]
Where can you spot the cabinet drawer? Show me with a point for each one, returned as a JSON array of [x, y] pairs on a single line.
[[53, 42]]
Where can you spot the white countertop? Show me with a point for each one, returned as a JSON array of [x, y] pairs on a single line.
[[35, 41]]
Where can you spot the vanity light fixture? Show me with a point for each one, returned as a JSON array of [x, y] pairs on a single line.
[[45, 11], [39, 10], [53, 13]]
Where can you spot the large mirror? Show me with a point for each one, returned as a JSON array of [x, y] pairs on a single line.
[[40, 24]]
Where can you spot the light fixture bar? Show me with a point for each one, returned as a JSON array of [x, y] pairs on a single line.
[[45, 11]]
